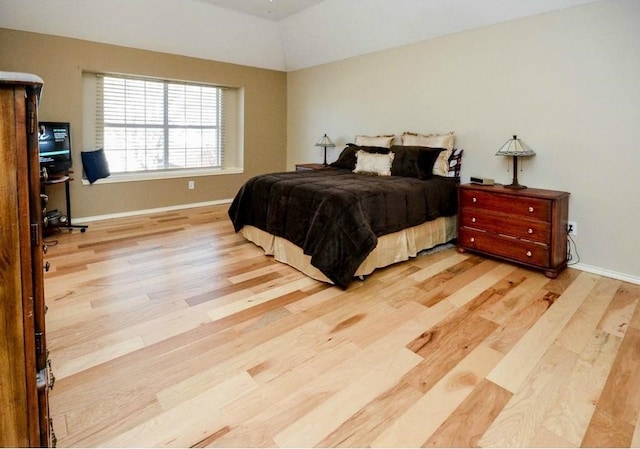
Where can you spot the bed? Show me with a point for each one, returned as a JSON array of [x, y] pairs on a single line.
[[347, 220]]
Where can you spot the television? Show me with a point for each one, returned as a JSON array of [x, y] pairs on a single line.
[[54, 142]]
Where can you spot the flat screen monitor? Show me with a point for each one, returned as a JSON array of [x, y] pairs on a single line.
[[54, 142]]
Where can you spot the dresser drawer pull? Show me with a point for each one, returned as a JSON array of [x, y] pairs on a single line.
[[529, 254], [472, 239], [530, 209], [52, 377], [473, 219], [530, 231], [474, 200], [53, 438]]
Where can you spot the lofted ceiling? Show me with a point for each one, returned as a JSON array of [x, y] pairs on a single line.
[[275, 10], [281, 35]]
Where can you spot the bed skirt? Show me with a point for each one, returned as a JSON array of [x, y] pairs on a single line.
[[391, 248]]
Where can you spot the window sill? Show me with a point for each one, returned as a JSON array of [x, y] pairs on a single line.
[[149, 176]]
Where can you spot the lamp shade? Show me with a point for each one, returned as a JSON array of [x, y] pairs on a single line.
[[515, 148], [325, 142]]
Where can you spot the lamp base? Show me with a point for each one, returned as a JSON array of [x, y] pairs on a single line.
[[514, 184]]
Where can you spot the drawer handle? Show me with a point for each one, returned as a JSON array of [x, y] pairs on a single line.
[[529, 254], [474, 200], [54, 439], [473, 220], [472, 239], [530, 231], [52, 377], [530, 209]]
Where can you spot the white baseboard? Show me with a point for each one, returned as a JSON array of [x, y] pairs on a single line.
[[83, 220], [607, 273]]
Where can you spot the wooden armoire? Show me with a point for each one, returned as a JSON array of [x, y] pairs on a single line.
[[25, 377]]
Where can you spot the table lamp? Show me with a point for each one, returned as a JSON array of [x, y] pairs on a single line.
[[325, 142], [515, 148]]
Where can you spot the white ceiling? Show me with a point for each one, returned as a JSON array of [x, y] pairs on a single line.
[[296, 33], [275, 10]]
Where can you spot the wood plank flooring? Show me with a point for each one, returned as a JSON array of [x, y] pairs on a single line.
[[172, 330]]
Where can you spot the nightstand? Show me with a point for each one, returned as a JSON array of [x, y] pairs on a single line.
[[305, 167], [527, 226]]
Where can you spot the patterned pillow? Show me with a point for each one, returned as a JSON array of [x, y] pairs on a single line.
[[445, 141], [378, 164], [375, 141], [455, 163]]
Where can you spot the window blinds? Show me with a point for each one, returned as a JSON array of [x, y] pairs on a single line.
[[148, 124]]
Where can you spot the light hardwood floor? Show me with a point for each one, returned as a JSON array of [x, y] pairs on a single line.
[[171, 330]]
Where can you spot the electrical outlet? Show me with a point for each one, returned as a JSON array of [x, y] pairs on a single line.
[[572, 228], [192, 185]]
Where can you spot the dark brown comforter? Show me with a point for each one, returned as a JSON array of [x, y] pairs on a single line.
[[335, 216]]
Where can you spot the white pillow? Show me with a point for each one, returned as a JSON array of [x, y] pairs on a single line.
[[374, 163], [374, 141], [446, 141]]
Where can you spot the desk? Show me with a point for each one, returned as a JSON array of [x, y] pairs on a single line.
[[60, 179]]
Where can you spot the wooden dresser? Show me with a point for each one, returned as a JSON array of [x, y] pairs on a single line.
[[24, 366], [525, 226]]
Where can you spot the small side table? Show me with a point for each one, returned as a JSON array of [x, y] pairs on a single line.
[[306, 167], [59, 179]]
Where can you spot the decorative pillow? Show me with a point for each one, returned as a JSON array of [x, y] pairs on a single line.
[[414, 161], [379, 164], [446, 141], [455, 163], [95, 165], [375, 141], [347, 158]]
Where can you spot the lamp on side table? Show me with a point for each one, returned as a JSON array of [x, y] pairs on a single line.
[[325, 142]]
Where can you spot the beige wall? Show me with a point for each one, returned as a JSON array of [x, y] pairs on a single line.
[[568, 83], [60, 63]]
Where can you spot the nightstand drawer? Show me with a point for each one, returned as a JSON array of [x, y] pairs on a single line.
[[537, 231], [536, 208], [514, 249]]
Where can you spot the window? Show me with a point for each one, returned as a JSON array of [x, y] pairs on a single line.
[[156, 125]]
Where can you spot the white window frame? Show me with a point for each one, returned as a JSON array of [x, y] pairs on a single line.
[[232, 157]]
